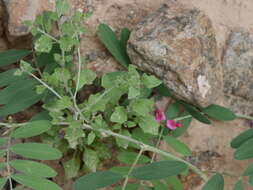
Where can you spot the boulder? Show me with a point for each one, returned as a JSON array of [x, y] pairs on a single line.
[[238, 71], [19, 11], [178, 45]]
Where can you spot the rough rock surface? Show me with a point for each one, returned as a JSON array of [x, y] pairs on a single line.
[[22, 10], [238, 71], [178, 45]]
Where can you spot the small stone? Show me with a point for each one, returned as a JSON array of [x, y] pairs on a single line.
[[238, 72], [178, 45], [23, 10]]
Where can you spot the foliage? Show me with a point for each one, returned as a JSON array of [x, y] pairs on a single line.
[[118, 116]]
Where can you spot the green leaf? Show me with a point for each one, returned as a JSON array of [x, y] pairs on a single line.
[[90, 159], [142, 107], [159, 170], [178, 145], [122, 142], [242, 138], [163, 90], [3, 182], [43, 44], [129, 157], [8, 77], [86, 77], [159, 185], [186, 124], [72, 167], [109, 39], [238, 186], [215, 183], [35, 182], [121, 170], [17, 90], [67, 43], [128, 187], [3, 141], [73, 133], [219, 113], [91, 138], [173, 111], [251, 180], [148, 124], [62, 7], [124, 36], [195, 113], [175, 183], [245, 151], [119, 115], [16, 105], [2, 165], [36, 151], [249, 170], [150, 81], [32, 129], [33, 168], [12, 56], [97, 180]]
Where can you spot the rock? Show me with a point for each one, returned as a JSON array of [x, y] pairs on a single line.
[[178, 45], [1, 18], [238, 71], [3, 45], [22, 10]]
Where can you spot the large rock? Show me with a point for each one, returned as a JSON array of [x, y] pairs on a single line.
[[178, 45], [22, 10], [238, 71]]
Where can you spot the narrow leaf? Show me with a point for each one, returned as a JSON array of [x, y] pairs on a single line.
[[35, 182], [2, 182], [249, 170], [215, 183], [238, 186], [97, 180], [33, 168], [219, 113], [12, 56], [129, 158], [195, 113], [36, 151], [242, 138], [245, 151], [32, 129], [178, 145], [159, 170]]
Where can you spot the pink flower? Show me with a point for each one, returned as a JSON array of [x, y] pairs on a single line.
[[173, 125], [159, 115]]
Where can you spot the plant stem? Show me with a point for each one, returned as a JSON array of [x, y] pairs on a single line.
[[131, 169], [157, 144], [45, 84], [48, 35], [150, 148], [183, 117], [79, 72], [7, 162], [244, 116]]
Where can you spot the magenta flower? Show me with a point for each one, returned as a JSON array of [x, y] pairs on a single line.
[[173, 125], [159, 115]]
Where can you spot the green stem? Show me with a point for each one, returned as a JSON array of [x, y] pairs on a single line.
[[131, 169], [8, 162], [45, 84], [48, 35], [157, 144], [182, 118], [149, 148], [244, 116]]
